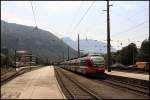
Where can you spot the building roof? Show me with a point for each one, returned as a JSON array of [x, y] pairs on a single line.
[[21, 51]]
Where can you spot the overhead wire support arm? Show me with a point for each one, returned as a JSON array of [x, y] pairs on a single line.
[[78, 46], [78, 10]]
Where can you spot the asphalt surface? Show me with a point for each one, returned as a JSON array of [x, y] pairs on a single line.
[[37, 84], [130, 75]]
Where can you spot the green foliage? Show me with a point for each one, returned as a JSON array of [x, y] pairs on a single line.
[[130, 54], [145, 47], [141, 57], [37, 41], [7, 58], [4, 59], [117, 56], [143, 54], [126, 55]]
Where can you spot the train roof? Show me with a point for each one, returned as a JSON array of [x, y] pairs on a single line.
[[92, 55]]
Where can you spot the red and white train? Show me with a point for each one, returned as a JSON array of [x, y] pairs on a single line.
[[90, 64]]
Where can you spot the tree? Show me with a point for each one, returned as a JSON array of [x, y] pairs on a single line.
[[128, 54], [145, 47], [143, 54], [3, 59], [7, 58], [116, 56]]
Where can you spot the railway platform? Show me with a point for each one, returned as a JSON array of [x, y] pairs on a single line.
[[129, 75], [36, 84]]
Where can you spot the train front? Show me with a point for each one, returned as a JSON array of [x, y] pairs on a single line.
[[98, 63]]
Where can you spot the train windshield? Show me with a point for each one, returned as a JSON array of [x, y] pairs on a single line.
[[98, 61]]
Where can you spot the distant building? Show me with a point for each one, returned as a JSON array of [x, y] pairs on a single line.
[[25, 58]]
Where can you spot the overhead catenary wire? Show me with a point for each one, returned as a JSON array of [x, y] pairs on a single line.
[[131, 28], [33, 14], [90, 28], [136, 13], [129, 18], [84, 15], [71, 24]]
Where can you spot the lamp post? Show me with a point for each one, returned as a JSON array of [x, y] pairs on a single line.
[[68, 52], [78, 47]]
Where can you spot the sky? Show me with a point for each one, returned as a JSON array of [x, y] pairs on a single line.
[[129, 20]]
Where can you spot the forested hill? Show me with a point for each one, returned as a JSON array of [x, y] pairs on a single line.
[[37, 41]]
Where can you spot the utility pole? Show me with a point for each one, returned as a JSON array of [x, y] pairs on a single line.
[[63, 55], [133, 54], [108, 38], [17, 41], [47, 61], [78, 47], [68, 52], [15, 58], [30, 60], [149, 46]]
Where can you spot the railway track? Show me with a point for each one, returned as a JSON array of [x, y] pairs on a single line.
[[73, 88], [123, 84], [21, 71], [104, 89], [10, 77], [132, 87]]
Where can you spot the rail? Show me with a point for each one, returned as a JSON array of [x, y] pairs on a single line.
[[136, 88], [79, 86]]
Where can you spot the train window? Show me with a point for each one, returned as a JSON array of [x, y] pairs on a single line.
[[83, 62], [98, 63]]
